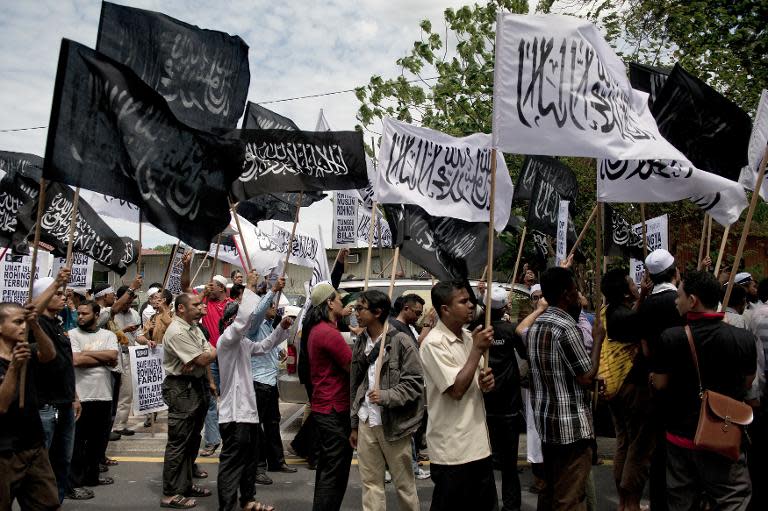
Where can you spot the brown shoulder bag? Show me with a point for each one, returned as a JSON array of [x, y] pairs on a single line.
[[721, 418]]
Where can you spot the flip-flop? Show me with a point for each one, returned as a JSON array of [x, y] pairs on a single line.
[[199, 474], [110, 462], [199, 491], [179, 502], [258, 506], [209, 450]]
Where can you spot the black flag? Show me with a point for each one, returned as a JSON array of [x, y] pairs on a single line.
[[710, 130], [26, 165], [113, 134], [16, 190], [447, 248], [275, 206], [292, 161], [258, 117], [92, 237], [648, 79], [544, 206], [131, 254], [551, 170], [619, 239], [202, 74]]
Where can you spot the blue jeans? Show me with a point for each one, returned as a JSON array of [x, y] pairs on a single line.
[[212, 435], [59, 428]]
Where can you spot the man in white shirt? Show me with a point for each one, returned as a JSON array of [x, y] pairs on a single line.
[[457, 434], [128, 321], [94, 354], [238, 410]]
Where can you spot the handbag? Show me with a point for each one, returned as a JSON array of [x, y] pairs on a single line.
[[721, 418], [616, 360]]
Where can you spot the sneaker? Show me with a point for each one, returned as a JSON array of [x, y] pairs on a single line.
[[79, 494], [387, 476], [422, 474], [262, 478], [125, 432]]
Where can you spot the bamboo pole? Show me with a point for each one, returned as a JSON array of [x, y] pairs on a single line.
[[215, 258], [380, 358], [491, 237], [583, 232], [233, 207], [192, 282], [35, 243], [708, 244], [370, 246], [722, 250], [645, 230], [599, 257], [745, 232], [701, 241]]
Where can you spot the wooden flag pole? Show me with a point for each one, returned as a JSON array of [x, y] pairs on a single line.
[[745, 232], [170, 265], [485, 270], [192, 282], [141, 247], [233, 207], [519, 256], [701, 241], [722, 250], [645, 230], [370, 245], [35, 243], [599, 257], [583, 232], [289, 248], [491, 237], [709, 237]]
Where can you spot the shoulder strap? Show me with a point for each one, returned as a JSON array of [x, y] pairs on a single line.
[[689, 334]]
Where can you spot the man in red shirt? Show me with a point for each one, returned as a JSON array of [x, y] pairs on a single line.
[[329, 362]]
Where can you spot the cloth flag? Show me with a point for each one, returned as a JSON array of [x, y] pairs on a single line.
[[275, 206], [559, 89], [619, 238], [551, 170], [445, 175], [113, 134], [16, 189], [202, 74], [27, 165], [758, 141], [648, 79], [262, 247], [382, 234], [259, 118], [110, 206]]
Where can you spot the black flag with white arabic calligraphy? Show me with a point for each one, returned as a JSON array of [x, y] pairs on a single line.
[[15, 191], [113, 134], [551, 170], [202, 74], [618, 238]]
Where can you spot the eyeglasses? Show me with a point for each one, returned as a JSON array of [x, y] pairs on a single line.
[[535, 298], [359, 308]]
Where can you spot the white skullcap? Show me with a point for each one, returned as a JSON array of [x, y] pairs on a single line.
[[221, 279], [41, 285], [104, 292], [658, 261], [742, 278], [535, 287], [498, 297], [80, 291], [152, 290]]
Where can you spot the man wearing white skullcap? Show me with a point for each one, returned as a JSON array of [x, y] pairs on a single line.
[[657, 313]]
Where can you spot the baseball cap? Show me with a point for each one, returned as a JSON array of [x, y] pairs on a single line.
[[658, 261], [498, 296], [322, 291]]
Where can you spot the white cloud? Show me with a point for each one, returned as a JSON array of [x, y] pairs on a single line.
[[296, 48]]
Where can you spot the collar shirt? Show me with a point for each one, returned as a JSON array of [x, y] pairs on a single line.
[[664, 286], [237, 402], [456, 431], [556, 354], [370, 412], [183, 343], [264, 368]]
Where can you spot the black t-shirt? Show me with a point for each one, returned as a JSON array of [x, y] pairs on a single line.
[[504, 399], [21, 429], [727, 355], [402, 327], [657, 313], [56, 380]]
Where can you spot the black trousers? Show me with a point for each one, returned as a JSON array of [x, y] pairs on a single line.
[[270, 444], [467, 486], [91, 439], [504, 431], [237, 464], [333, 463], [187, 400]]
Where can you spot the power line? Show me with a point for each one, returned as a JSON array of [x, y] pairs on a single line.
[[271, 101]]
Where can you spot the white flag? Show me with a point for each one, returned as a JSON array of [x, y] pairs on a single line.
[[560, 90], [444, 175], [106, 205], [306, 250], [262, 248], [757, 145], [670, 181], [381, 230]]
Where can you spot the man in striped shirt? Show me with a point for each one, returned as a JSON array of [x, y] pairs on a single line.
[[561, 373]]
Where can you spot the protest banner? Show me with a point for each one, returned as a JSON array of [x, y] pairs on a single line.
[[147, 375], [82, 270], [444, 175], [15, 271], [173, 279], [657, 236], [562, 232], [344, 220], [559, 89]]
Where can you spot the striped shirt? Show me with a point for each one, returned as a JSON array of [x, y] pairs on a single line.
[[556, 355]]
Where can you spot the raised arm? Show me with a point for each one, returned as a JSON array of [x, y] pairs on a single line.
[[41, 301], [124, 302], [531, 318], [481, 338], [186, 280], [279, 335]]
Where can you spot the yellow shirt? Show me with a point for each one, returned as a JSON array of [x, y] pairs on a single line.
[[183, 342], [456, 430]]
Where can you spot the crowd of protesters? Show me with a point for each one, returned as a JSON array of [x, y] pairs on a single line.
[[407, 375]]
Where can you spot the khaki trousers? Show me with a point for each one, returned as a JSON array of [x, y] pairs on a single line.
[[374, 454], [125, 394]]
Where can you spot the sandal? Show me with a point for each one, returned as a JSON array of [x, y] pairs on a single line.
[[257, 506], [209, 450], [179, 502], [199, 491], [199, 474], [110, 462]]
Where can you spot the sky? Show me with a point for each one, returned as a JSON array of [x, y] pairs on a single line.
[[297, 48]]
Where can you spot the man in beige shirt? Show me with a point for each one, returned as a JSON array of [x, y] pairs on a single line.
[[457, 435], [187, 392]]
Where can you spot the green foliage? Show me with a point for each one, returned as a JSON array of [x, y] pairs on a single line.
[[165, 249]]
